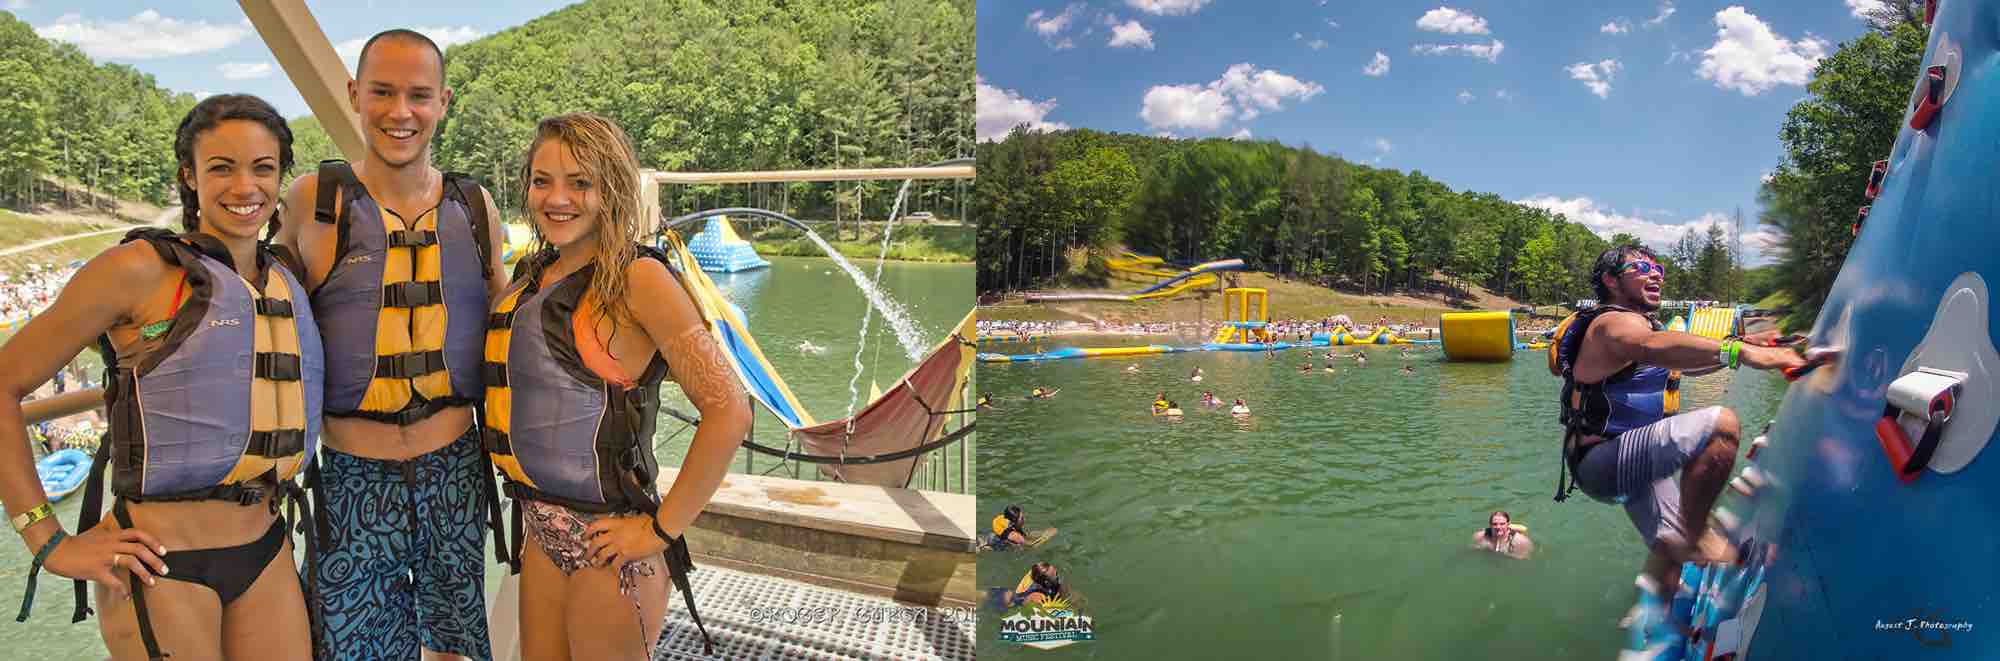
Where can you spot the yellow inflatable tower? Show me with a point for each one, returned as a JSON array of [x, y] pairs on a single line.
[[1238, 326]]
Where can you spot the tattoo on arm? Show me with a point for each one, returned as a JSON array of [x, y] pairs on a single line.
[[697, 363]]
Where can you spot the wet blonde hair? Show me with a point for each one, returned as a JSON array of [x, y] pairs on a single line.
[[605, 155]]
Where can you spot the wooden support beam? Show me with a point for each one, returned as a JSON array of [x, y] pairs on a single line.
[[294, 37]]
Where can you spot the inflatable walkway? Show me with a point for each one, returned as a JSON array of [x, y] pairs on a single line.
[[1865, 515]]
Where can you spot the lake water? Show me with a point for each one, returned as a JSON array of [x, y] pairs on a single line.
[[1335, 523]]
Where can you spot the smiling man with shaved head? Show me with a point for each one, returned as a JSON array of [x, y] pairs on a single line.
[[401, 264]]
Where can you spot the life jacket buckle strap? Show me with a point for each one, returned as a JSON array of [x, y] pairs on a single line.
[[409, 365], [493, 375], [277, 366], [412, 238], [274, 307], [496, 441], [413, 294]]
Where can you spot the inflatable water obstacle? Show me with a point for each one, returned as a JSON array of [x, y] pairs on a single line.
[[1169, 284], [1863, 513], [719, 250]]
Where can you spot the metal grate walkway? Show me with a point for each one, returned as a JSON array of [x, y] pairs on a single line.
[[751, 616]]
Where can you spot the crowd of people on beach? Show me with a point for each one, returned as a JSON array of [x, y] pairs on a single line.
[[1283, 329], [21, 294]]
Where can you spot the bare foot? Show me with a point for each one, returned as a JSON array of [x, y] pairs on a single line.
[[1714, 548]]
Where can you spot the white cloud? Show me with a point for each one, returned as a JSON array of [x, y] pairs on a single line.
[[1131, 33], [445, 37], [1620, 26], [1502, 94], [1297, 36], [1257, 90], [1316, 44], [1606, 222], [17, 5], [1464, 96], [1049, 26], [203, 95], [1677, 55], [1240, 134], [1666, 10], [1243, 92], [1382, 145], [1597, 76], [1332, 23], [1488, 52], [244, 70], [146, 35], [1166, 7], [1749, 58], [1451, 21], [1862, 8], [998, 111], [1186, 106], [1377, 66]]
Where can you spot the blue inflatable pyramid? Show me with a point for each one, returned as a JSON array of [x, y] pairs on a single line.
[[719, 250]]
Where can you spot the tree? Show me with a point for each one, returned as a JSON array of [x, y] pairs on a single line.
[[1850, 120]]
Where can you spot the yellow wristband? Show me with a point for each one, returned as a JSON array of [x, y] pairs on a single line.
[[33, 516]]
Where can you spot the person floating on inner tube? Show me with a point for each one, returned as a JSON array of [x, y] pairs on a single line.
[[1007, 528], [1173, 409], [1040, 584], [985, 402], [1501, 535], [1240, 408], [1043, 393], [1626, 439]]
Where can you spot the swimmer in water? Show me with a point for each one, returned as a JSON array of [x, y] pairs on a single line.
[[1160, 404], [1131, 369], [1329, 367], [1173, 409], [1409, 370], [1306, 367], [1240, 409], [985, 402], [1042, 393], [1360, 360], [1208, 398], [1195, 376]]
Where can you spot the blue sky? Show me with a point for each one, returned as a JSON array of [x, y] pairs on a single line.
[[1642, 117], [209, 47]]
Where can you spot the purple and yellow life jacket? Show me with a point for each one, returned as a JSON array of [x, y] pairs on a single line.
[[404, 306], [559, 432], [233, 394]]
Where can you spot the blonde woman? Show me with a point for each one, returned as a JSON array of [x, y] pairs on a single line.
[[574, 364]]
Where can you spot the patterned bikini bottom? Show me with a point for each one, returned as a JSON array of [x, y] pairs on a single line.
[[560, 532]]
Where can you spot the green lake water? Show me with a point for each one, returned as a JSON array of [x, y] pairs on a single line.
[[1335, 523], [797, 299]]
